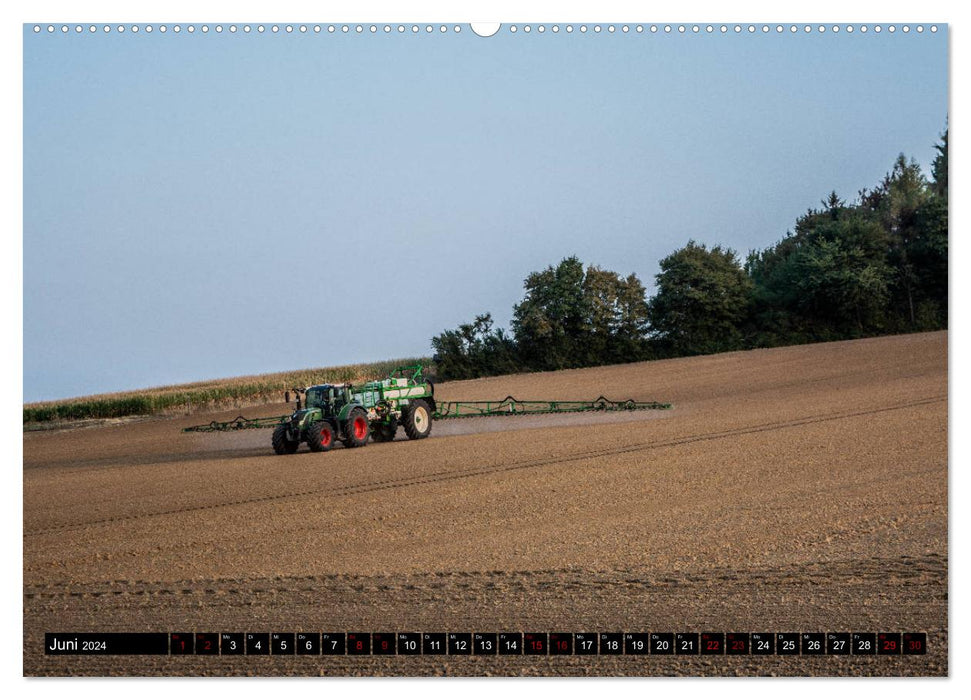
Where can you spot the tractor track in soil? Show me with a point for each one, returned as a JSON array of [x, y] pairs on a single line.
[[903, 570], [471, 472]]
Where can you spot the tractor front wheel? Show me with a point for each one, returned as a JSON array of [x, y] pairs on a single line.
[[418, 420], [357, 430], [320, 436], [282, 444]]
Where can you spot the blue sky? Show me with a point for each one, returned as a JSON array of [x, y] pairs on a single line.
[[210, 205]]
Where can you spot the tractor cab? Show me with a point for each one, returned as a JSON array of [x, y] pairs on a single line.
[[320, 396], [327, 397]]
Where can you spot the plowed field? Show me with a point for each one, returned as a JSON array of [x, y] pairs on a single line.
[[792, 489]]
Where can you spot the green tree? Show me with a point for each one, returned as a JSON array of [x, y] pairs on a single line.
[[571, 317], [632, 321], [939, 168], [702, 301], [828, 280], [840, 281], [552, 321], [618, 321], [475, 350], [927, 253], [927, 250], [896, 202]]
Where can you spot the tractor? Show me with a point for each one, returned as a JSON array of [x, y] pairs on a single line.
[[355, 414]]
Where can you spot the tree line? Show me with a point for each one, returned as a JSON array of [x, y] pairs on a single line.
[[875, 266]]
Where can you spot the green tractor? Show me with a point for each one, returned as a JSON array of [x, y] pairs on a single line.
[[355, 414]]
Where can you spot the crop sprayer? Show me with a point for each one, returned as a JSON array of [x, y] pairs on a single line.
[[354, 414]]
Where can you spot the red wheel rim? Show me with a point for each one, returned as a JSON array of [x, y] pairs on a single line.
[[325, 436], [360, 428]]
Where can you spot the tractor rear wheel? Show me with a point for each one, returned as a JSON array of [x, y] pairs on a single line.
[[320, 436], [418, 420], [385, 432], [357, 430], [282, 444]]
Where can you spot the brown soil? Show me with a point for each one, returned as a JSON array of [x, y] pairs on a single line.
[[793, 489]]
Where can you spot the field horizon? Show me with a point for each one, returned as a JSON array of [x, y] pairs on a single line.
[[254, 390]]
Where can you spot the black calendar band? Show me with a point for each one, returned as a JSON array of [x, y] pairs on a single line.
[[486, 643]]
